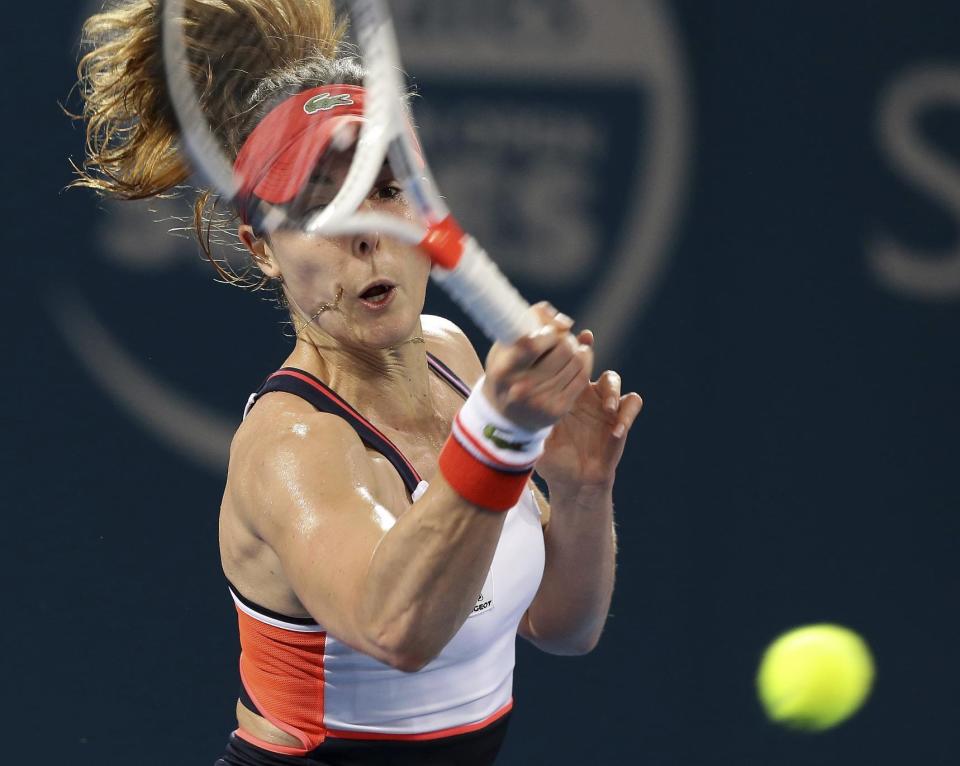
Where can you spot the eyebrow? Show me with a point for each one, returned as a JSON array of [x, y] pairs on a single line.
[[319, 176]]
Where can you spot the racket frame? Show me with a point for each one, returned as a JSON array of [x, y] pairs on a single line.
[[461, 266]]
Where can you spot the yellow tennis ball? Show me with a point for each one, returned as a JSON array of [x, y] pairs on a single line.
[[814, 677]]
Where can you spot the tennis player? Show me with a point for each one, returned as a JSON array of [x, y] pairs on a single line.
[[382, 538]]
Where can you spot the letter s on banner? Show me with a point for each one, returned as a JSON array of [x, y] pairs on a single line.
[[934, 275]]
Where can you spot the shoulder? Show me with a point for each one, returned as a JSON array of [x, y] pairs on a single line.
[[281, 419], [284, 443], [439, 330], [451, 346]]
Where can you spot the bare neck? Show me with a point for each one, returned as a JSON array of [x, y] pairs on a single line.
[[390, 386]]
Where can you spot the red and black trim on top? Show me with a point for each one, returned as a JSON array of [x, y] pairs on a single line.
[[300, 383], [448, 375]]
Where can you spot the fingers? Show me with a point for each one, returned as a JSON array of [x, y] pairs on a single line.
[[546, 313], [564, 371], [547, 348], [608, 388], [630, 406], [557, 358], [537, 379], [526, 350], [622, 410], [575, 377]]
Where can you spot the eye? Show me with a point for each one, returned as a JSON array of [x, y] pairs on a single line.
[[389, 190], [313, 203], [313, 208]]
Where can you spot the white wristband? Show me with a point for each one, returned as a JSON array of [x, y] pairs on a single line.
[[494, 439]]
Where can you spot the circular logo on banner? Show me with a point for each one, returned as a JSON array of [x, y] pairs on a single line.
[[559, 131]]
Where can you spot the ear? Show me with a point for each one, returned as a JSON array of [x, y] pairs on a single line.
[[259, 250]]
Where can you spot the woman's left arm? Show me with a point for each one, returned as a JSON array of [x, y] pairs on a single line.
[[579, 464]]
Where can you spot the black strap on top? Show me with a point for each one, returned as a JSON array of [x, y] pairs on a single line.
[[300, 383], [448, 375]]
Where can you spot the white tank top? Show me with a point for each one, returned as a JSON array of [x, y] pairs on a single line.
[[469, 682], [313, 686]]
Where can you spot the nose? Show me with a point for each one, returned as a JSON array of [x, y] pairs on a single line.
[[365, 245]]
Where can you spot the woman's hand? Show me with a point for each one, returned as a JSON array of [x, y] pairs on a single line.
[[586, 444], [537, 379]]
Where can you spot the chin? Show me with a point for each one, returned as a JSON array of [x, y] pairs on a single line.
[[389, 334]]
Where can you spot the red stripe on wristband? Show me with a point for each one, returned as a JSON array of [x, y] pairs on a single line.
[[477, 482], [492, 460]]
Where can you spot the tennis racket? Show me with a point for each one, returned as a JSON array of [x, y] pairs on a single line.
[[353, 132]]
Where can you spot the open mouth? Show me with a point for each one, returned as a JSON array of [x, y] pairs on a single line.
[[377, 294]]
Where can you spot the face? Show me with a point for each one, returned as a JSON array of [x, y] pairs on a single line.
[[363, 290]]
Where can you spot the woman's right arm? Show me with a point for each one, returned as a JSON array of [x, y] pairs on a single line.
[[395, 590]]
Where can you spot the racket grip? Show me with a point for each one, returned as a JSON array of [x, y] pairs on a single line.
[[484, 293]]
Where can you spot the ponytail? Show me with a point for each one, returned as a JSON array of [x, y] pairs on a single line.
[[132, 138]]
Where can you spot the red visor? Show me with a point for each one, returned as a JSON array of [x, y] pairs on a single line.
[[280, 154]]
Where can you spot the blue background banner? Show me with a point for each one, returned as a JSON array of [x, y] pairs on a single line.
[[757, 208]]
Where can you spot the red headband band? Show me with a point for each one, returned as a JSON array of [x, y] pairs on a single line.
[[278, 157]]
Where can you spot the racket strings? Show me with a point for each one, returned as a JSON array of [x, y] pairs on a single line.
[[230, 54]]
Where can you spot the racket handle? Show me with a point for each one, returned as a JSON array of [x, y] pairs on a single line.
[[484, 293]]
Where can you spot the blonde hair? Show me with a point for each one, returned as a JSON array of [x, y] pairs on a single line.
[[132, 136]]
